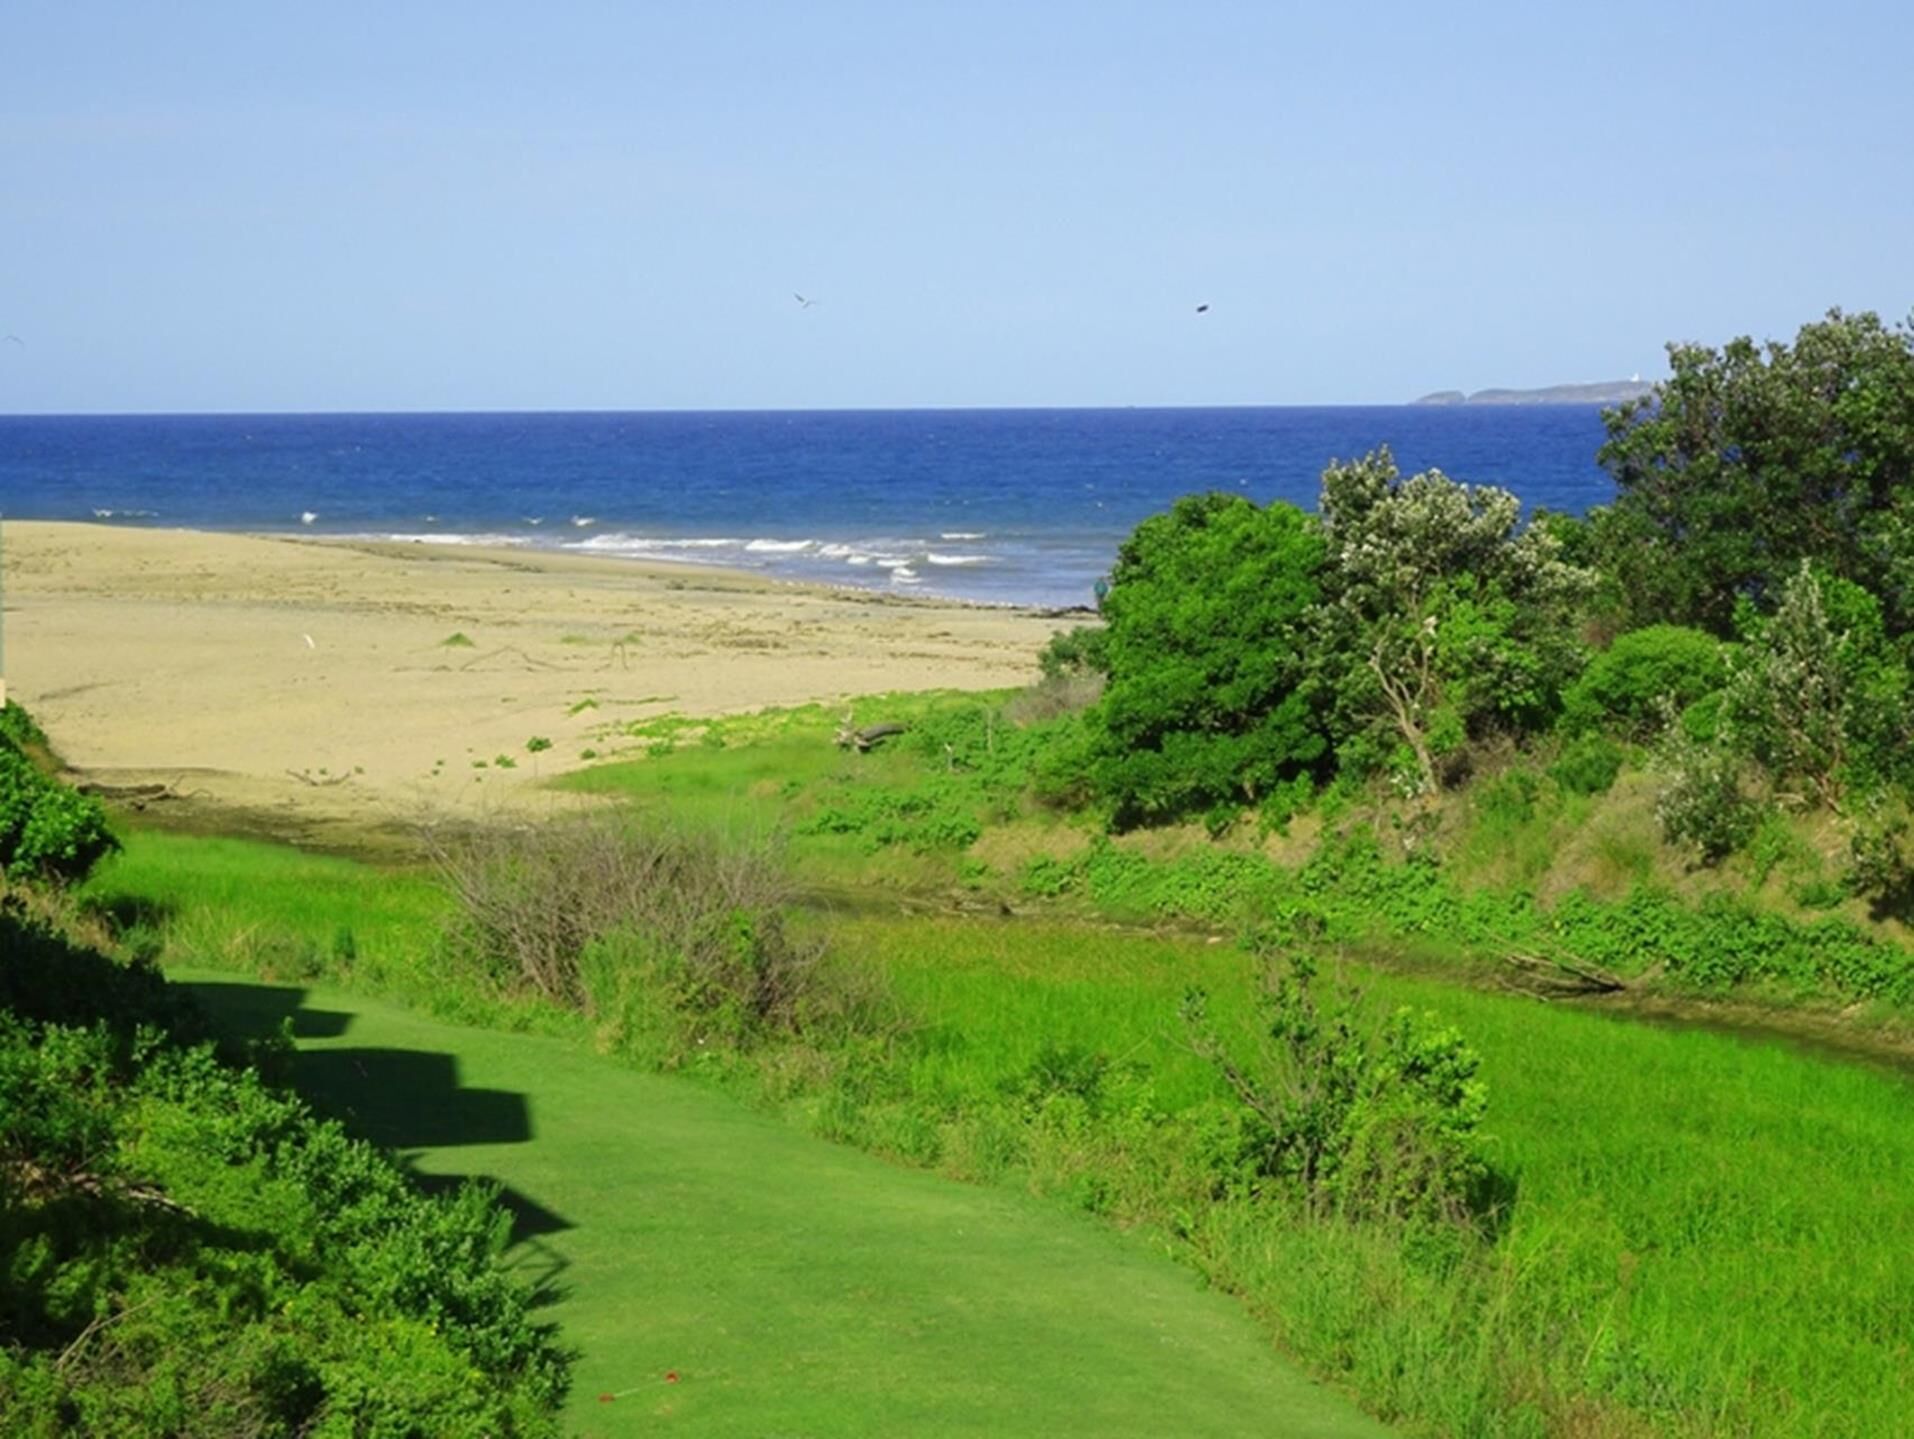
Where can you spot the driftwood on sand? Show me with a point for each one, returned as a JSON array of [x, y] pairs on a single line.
[[136, 796]]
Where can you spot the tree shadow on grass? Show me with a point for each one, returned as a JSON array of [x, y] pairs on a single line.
[[404, 1100], [258, 1011]]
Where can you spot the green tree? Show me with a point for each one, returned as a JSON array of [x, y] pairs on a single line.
[[1624, 686], [1445, 618], [1749, 459], [1206, 702], [1817, 694]]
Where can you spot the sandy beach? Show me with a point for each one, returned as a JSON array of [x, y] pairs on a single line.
[[252, 672]]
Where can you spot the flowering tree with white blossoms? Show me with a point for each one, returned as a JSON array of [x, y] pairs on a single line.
[[1452, 616]]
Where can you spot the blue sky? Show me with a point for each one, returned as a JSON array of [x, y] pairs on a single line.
[[572, 206]]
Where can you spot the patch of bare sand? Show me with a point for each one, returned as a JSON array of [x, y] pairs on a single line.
[[258, 671]]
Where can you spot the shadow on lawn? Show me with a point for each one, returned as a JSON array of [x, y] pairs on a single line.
[[405, 1100]]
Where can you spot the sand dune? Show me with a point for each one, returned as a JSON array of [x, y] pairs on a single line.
[[259, 670]]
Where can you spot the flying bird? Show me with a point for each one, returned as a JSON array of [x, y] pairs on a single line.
[[16, 340], [1202, 309], [803, 304]]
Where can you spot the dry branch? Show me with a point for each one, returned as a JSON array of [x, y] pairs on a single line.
[[1554, 978]]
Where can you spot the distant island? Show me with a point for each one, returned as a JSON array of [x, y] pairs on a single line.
[[1605, 392]]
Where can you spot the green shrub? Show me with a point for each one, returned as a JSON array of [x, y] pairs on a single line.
[[1818, 695], [1624, 687], [48, 829], [1364, 1120], [188, 1251], [1047, 877], [1083, 650], [1881, 864], [1588, 765], [18, 729], [1206, 657], [1701, 804]]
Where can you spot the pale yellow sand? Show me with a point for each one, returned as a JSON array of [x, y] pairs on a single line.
[[238, 664]]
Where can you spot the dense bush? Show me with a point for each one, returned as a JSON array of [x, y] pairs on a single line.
[[18, 729], [1881, 864], [1207, 655], [1588, 765], [1624, 688], [188, 1251], [1349, 894], [1368, 1121], [48, 829]]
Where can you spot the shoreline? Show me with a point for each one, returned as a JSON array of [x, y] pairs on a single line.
[[311, 682]]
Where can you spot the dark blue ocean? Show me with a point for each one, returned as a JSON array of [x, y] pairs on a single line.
[[1021, 506]]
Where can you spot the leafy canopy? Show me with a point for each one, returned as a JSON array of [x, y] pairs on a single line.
[[1448, 618], [1205, 652], [1750, 459]]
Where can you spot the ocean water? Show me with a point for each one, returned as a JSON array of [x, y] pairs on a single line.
[[1007, 506]]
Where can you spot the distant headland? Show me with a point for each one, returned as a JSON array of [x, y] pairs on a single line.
[[1604, 392]]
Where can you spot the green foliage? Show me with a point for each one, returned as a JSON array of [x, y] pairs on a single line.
[[1589, 764], [1624, 688], [1817, 694], [1083, 650], [48, 829], [1701, 803], [537, 744], [1881, 863], [1445, 619], [1750, 459], [18, 729], [1372, 1122], [189, 1251], [1348, 894], [1206, 652]]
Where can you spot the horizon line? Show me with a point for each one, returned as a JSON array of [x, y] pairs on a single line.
[[780, 410]]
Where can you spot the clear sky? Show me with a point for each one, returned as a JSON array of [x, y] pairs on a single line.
[[263, 206]]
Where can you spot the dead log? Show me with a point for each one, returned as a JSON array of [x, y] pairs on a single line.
[[871, 735], [128, 793], [1552, 977]]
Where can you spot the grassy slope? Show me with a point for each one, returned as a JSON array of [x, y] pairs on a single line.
[[1702, 1219], [1507, 830], [795, 1287]]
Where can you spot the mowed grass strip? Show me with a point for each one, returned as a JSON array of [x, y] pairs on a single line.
[[790, 1286]]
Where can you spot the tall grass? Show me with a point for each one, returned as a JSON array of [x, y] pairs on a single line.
[[1709, 1235]]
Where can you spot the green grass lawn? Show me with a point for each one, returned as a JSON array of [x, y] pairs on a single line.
[[1710, 1235], [793, 1287]]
